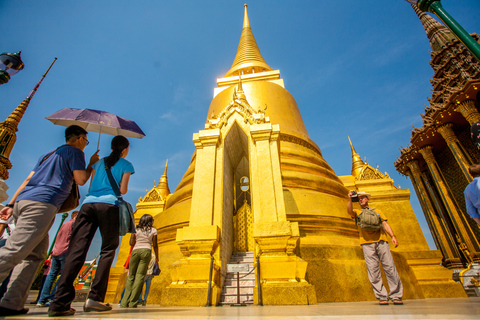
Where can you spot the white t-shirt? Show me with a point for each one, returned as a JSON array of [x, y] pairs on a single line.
[[144, 239]]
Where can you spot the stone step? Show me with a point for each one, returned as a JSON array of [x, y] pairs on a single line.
[[233, 291], [247, 281], [242, 275], [233, 299], [243, 282]]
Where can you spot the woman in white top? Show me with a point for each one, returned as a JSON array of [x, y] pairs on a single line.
[[142, 242]]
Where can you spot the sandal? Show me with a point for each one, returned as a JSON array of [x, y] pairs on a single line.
[[383, 302], [398, 302]]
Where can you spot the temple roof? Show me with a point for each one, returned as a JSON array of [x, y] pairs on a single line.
[[248, 58]]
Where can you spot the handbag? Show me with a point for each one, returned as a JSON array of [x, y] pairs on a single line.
[[73, 199], [125, 210], [156, 269]]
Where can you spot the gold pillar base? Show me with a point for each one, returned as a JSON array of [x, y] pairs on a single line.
[[434, 280], [286, 293], [190, 275], [113, 284]]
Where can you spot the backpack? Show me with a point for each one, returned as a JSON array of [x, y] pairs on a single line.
[[369, 220]]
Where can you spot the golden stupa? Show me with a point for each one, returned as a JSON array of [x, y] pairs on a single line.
[[297, 225]]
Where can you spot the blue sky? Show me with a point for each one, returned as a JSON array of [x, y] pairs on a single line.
[[358, 68]]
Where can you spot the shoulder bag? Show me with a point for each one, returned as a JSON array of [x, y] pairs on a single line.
[[73, 199], [125, 212]]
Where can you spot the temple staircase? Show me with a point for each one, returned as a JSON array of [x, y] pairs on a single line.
[[247, 281]]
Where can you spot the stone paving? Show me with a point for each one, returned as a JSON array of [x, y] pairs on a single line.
[[465, 308]]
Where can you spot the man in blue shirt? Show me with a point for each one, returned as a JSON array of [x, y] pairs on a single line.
[[33, 207], [472, 193]]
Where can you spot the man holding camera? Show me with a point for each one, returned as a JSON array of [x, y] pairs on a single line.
[[373, 229]]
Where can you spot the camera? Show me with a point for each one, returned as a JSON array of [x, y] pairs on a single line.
[[354, 196]]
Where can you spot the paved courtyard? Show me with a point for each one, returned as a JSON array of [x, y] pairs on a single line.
[[468, 308]]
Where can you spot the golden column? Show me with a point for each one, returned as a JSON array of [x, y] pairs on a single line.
[[442, 236], [460, 156], [281, 270], [458, 219], [469, 111], [199, 241]]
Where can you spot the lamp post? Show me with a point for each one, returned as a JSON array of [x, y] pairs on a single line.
[[435, 6], [10, 64]]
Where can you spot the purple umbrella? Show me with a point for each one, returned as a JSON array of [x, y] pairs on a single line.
[[97, 121]]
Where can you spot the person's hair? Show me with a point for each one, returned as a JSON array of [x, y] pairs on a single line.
[[119, 143], [145, 223], [74, 131], [474, 170], [74, 214]]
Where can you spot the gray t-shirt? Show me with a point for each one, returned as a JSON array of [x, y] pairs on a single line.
[[144, 239]]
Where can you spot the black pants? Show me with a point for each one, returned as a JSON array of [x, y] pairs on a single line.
[[91, 216]]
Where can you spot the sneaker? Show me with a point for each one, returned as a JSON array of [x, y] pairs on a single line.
[[53, 313], [42, 305]]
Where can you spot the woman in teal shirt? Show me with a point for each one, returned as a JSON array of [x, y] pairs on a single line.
[[99, 210]]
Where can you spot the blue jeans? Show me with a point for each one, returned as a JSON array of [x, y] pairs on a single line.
[[148, 282], [55, 269]]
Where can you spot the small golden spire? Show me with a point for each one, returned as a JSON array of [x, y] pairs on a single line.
[[248, 58], [163, 184], [357, 163], [239, 94], [246, 21], [9, 127]]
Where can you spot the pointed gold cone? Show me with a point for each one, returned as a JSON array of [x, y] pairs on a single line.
[[248, 58], [163, 183], [357, 163]]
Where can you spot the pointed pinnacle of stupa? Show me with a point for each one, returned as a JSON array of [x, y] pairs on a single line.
[[437, 33], [357, 163], [248, 58], [239, 94], [163, 183], [9, 127]]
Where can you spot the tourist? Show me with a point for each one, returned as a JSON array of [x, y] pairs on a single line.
[[142, 240], [148, 281], [99, 211], [472, 193], [33, 207], [58, 261], [376, 249]]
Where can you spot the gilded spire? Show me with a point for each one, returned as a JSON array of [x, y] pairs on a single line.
[[437, 34], [163, 184], [10, 126], [248, 58], [357, 163]]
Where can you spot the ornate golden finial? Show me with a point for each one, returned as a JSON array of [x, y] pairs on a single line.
[[163, 184], [246, 21], [357, 163], [248, 58], [239, 94], [10, 126]]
